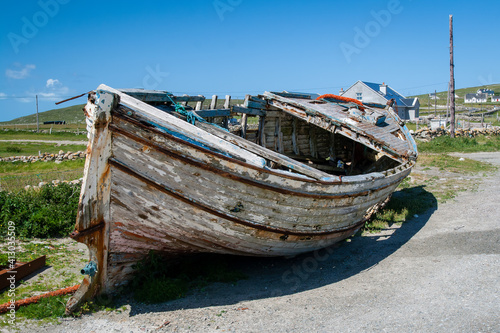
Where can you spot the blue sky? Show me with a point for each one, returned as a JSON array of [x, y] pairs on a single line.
[[61, 48]]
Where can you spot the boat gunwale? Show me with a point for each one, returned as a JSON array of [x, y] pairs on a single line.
[[237, 177]]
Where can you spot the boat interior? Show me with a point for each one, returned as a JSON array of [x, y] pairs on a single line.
[[287, 126]]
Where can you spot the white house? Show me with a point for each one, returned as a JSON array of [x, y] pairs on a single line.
[[368, 92], [475, 98], [495, 98]]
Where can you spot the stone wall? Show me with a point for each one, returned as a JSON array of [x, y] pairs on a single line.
[[428, 134], [54, 182], [46, 157]]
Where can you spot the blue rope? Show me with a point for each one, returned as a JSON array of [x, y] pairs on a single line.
[[191, 117]]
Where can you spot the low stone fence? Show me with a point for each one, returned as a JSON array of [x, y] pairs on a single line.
[[54, 182], [428, 134], [46, 157]]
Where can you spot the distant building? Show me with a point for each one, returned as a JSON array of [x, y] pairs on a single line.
[[433, 96], [486, 91], [495, 98], [475, 98], [55, 122], [368, 92]]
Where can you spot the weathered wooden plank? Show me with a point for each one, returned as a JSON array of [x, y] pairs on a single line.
[[251, 112], [227, 102], [255, 103], [213, 103], [332, 147], [292, 95], [198, 106], [94, 206], [160, 96], [279, 136], [244, 125], [313, 142], [214, 113]]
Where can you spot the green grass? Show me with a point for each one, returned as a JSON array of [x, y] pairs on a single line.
[[8, 149], [445, 144], [22, 168], [45, 308], [404, 204], [15, 176], [454, 164], [30, 135]]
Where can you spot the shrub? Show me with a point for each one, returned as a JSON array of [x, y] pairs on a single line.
[[45, 213], [11, 149]]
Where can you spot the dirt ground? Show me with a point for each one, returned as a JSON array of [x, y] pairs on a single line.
[[437, 273]]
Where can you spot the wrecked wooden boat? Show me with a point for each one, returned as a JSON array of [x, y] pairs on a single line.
[[165, 173]]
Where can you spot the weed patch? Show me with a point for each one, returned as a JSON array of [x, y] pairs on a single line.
[[403, 205]]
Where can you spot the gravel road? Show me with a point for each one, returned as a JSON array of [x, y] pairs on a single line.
[[437, 273]]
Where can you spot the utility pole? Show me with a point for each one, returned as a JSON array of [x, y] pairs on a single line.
[[435, 102], [452, 82], [37, 126]]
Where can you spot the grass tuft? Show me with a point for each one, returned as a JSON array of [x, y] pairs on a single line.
[[47, 307], [404, 204]]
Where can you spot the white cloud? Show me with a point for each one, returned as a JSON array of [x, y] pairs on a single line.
[[54, 91], [3, 95], [52, 83], [21, 73]]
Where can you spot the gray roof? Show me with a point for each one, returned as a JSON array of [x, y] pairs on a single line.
[[391, 93]]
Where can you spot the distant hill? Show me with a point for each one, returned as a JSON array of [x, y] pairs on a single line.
[[74, 114], [71, 114], [443, 95]]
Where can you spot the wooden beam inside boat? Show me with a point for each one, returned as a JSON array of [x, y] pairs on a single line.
[[249, 111], [353, 132], [160, 96], [267, 153]]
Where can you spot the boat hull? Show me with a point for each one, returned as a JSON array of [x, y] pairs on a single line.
[[148, 188]]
